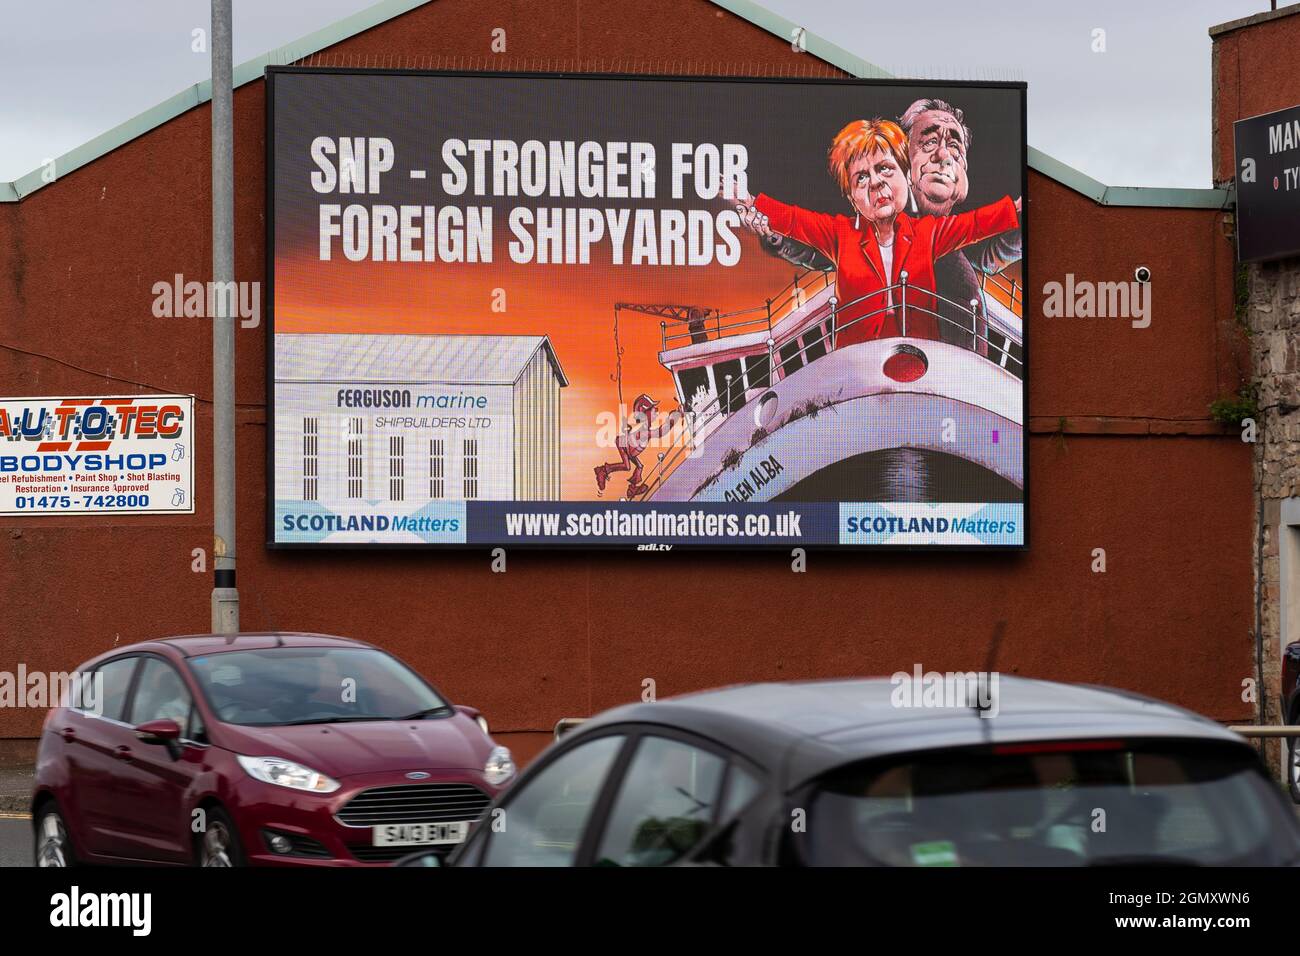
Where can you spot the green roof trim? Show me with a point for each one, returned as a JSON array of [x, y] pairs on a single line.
[[105, 143], [201, 92], [1126, 195], [779, 26], [773, 23]]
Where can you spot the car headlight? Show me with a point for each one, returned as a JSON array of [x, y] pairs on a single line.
[[500, 766], [286, 773]]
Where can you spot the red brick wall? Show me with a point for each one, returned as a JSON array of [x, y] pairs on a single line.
[[1140, 471], [1254, 72]]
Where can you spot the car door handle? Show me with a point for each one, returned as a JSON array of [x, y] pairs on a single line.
[[69, 735], [123, 753]]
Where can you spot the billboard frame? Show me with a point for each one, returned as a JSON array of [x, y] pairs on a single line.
[[589, 546]]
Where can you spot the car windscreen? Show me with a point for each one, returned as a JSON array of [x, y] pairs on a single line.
[[300, 685], [1080, 803]]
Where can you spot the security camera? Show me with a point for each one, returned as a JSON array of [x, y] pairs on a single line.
[[1142, 274]]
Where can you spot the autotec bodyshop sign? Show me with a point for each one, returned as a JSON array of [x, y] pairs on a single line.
[[1268, 185], [523, 310], [124, 454]]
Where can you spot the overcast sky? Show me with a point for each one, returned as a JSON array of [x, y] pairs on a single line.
[[1137, 114]]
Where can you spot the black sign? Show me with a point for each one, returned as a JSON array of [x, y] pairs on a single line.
[[1268, 185]]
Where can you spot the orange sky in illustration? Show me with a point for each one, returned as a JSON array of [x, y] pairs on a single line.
[[573, 305]]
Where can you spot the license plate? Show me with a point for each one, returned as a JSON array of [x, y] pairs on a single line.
[[412, 834]]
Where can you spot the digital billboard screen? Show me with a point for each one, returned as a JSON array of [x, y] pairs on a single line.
[[588, 310]]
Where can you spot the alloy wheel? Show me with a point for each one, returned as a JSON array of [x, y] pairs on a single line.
[[52, 847], [216, 846]]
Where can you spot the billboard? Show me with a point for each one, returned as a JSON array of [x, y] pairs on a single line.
[[564, 310], [1267, 148], [116, 454]]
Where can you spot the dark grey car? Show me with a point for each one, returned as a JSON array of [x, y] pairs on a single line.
[[848, 773]]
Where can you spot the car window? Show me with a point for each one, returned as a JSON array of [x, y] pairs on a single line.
[[1075, 803], [160, 694], [665, 804], [742, 787], [107, 693], [545, 819], [279, 686], [197, 730]]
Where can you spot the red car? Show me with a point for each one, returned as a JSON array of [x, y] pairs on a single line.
[[258, 749]]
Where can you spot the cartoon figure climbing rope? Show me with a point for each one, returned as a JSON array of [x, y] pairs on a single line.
[[641, 430]]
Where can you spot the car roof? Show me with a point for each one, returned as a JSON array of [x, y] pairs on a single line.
[[192, 645], [804, 728]]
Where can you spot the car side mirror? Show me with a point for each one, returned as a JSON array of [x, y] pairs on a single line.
[[423, 858], [165, 732]]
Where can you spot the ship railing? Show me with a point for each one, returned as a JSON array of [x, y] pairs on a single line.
[[719, 325], [1003, 288], [974, 327], [732, 396], [795, 297]]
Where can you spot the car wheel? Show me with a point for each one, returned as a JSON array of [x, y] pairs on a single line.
[[53, 845], [219, 842]]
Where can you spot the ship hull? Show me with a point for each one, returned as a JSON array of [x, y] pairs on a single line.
[[842, 429]]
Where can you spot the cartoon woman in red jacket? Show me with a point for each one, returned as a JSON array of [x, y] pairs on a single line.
[[868, 159]]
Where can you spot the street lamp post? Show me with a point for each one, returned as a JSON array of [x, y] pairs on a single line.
[[225, 596]]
